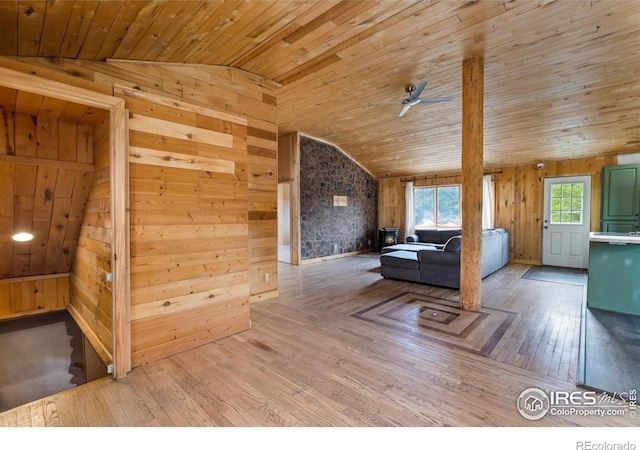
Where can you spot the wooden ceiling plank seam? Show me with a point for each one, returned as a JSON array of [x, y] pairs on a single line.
[[126, 16], [171, 31], [47, 147], [103, 19], [336, 37], [319, 22], [7, 133], [140, 29], [55, 24], [67, 141], [8, 28], [28, 103], [203, 36], [8, 99], [26, 132], [229, 22], [265, 27], [189, 34], [361, 46], [30, 18], [82, 14], [45, 191], [303, 13], [236, 31], [52, 108]]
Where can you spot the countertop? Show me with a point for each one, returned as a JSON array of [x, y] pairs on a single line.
[[616, 238]]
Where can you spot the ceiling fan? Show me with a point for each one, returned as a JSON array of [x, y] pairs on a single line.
[[414, 98]]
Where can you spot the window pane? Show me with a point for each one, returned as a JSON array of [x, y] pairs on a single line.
[[423, 207], [566, 203], [449, 206], [576, 189]]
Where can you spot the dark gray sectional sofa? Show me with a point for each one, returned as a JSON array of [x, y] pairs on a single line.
[[439, 264]]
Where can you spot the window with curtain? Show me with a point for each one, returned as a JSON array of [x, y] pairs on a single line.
[[437, 206], [488, 202]]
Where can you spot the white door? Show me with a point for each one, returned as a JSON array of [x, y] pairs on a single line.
[[566, 221]]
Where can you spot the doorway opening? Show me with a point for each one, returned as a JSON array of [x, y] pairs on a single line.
[[284, 222]]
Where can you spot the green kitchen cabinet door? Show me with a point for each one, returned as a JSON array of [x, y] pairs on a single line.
[[621, 192], [619, 226]]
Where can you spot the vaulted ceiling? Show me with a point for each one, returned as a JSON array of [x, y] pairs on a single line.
[[562, 78]]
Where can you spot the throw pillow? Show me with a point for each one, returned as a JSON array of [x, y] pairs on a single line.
[[453, 244]]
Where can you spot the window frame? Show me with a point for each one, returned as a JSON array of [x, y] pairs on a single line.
[[435, 206]]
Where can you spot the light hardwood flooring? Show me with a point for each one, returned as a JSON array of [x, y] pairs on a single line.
[[342, 346]]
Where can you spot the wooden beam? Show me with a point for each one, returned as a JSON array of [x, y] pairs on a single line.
[[50, 163], [472, 160]]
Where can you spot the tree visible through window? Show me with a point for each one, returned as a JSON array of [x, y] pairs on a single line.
[[437, 206], [566, 203]]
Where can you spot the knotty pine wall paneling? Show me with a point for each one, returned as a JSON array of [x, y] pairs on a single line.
[[519, 200], [25, 296], [233, 91], [189, 225], [91, 303]]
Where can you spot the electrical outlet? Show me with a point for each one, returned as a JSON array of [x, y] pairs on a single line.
[[266, 277]]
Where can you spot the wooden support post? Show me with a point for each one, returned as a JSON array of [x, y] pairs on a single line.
[[472, 161]]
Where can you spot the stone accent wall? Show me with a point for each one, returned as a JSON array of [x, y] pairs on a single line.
[[326, 229]]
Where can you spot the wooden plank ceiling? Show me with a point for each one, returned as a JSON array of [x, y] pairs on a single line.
[[46, 168], [562, 77]]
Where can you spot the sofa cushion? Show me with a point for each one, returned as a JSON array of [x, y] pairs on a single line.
[[401, 258], [453, 244], [437, 236]]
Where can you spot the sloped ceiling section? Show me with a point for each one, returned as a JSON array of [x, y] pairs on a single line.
[[561, 76], [46, 170]]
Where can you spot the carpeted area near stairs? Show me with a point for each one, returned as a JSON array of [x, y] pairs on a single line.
[[39, 356]]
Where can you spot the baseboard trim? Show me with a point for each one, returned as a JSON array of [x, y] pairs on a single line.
[[330, 257], [526, 261]]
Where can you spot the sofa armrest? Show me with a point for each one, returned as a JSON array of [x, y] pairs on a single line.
[[439, 257], [412, 238]]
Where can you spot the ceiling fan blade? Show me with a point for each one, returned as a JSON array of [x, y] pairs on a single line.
[[435, 100], [386, 103], [418, 90], [404, 110]]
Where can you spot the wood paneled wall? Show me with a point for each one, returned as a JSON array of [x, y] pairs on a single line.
[[91, 297], [33, 295], [519, 200], [189, 225], [236, 93], [220, 88]]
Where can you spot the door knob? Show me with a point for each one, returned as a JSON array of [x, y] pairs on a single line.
[[546, 226]]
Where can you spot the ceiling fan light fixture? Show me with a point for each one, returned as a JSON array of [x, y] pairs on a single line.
[[22, 237]]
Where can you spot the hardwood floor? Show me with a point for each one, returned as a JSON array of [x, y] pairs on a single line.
[[312, 360]]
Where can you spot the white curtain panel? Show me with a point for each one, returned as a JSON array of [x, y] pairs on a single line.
[[487, 202], [408, 220]]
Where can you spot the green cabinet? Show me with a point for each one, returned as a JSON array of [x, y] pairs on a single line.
[[620, 198], [613, 283]]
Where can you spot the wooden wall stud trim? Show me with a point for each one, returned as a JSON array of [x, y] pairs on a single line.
[[34, 278], [120, 252], [54, 164]]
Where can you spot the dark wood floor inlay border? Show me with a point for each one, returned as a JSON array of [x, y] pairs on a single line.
[[440, 320]]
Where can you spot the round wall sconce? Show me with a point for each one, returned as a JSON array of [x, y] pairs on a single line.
[[540, 166]]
